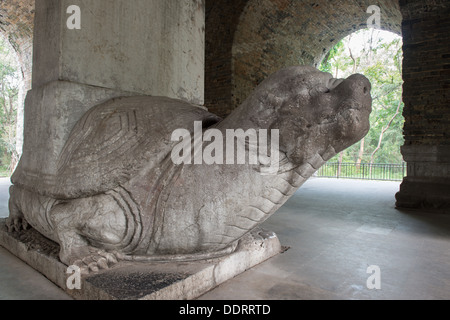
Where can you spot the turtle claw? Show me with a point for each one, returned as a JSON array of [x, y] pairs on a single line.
[[98, 260], [17, 224]]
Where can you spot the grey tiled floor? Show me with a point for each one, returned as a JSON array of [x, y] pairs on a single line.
[[335, 229]]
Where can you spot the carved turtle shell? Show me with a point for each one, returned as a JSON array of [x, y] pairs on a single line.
[[114, 141]]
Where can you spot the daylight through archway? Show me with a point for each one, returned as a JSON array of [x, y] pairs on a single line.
[[11, 108], [378, 55], [16, 28]]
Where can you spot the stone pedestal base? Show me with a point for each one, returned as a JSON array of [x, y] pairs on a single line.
[[422, 193], [427, 185], [142, 281]]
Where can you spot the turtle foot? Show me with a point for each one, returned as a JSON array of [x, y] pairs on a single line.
[[96, 260], [17, 224]]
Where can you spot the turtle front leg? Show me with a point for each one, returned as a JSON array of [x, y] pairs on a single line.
[[90, 231], [16, 220]]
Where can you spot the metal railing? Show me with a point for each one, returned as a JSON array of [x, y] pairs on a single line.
[[363, 171]]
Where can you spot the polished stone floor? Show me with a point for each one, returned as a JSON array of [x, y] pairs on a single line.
[[335, 230]]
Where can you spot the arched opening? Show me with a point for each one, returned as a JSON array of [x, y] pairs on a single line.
[[11, 86], [16, 28], [378, 55]]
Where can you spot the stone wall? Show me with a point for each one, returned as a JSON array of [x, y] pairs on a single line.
[[222, 18]]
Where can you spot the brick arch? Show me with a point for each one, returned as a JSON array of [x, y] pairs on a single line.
[[273, 34]]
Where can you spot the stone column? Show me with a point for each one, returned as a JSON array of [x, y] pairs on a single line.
[[121, 48], [426, 70], [151, 47]]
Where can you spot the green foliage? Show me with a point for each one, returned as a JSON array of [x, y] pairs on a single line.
[[379, 58], [329, 63], [9, 91]]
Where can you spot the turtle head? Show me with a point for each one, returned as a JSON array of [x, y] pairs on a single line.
[[315, 113]]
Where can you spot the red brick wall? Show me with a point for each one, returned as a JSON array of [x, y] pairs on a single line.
[[222, 18], [426, 71]]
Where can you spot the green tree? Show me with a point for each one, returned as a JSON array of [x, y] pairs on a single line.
[[379, 58], [9, 91], [332, 60]]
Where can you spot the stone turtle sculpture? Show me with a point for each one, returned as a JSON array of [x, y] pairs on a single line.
[[118, 194]]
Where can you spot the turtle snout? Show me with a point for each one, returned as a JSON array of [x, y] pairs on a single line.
[[362, 84], [361, 87]]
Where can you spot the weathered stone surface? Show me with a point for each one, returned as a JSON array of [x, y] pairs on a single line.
[[51, 112], [72, 158], [117, 194]]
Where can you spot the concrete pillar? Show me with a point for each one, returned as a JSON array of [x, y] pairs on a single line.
[[426, 70], [121, 48]]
